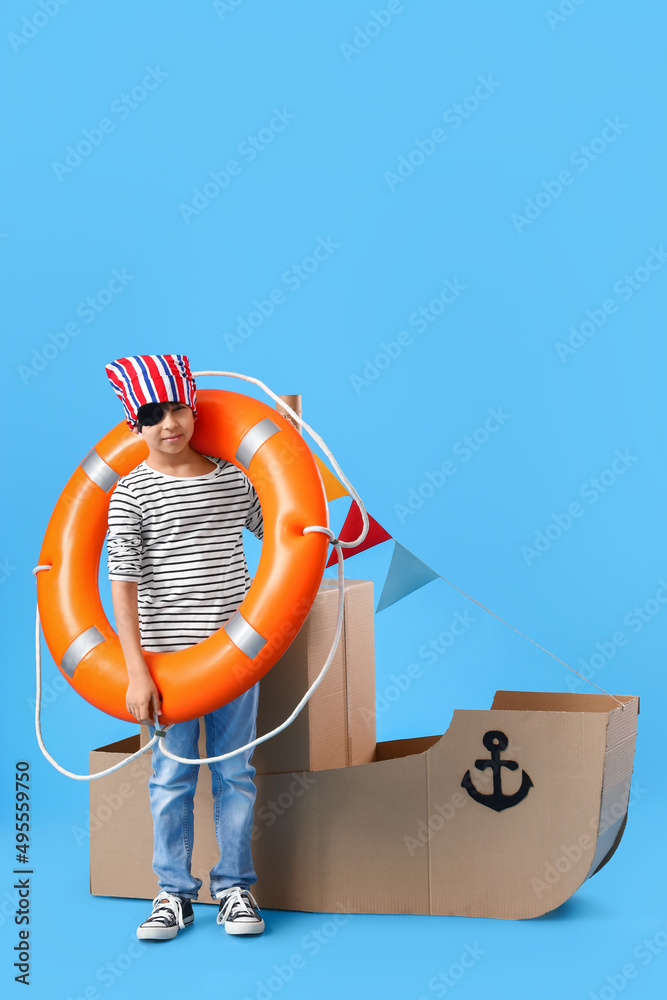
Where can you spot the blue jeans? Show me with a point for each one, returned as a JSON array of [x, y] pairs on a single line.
[[172, 788]]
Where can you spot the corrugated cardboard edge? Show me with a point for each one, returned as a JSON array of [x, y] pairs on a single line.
[[121, 829], [609, 824], [328, 733], [359, 641], [619, 755], [329, 737], [619, 759]]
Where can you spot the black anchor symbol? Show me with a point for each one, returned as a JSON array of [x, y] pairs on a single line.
[[495, 742]]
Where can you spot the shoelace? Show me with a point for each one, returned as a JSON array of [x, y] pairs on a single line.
[[164, 907], [237, 905]]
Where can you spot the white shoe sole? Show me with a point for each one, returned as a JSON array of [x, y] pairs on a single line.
[[244, 927]]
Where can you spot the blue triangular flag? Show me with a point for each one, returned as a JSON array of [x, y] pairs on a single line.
[[406, 573]]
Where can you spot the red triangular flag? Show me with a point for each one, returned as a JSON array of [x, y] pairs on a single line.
[[352, 529]]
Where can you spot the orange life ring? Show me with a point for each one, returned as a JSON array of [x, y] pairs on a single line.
[[197, 680]]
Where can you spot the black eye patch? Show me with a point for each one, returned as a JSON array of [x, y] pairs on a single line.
[[151, 413]]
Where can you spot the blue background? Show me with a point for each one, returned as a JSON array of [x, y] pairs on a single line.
[[359, 102]]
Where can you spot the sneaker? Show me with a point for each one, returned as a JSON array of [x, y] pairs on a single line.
[[239, 912], [171, 913]]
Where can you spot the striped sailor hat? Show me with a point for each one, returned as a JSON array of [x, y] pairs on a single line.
[[152, 378]]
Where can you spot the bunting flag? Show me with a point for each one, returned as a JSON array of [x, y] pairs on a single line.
[[406, 574], [352, 529], [332, 486]]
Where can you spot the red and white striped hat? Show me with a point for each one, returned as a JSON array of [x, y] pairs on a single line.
[[152, 378]]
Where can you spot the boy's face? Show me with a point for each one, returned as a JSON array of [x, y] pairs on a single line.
[[173, 432]]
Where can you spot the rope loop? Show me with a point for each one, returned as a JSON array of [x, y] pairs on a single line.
[[159, 734], [323, 531]]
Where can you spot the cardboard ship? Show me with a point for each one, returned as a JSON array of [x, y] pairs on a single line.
[[504, 815]]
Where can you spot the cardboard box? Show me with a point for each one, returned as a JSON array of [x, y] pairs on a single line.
[[403, 835], [412, 831], [326, 733]]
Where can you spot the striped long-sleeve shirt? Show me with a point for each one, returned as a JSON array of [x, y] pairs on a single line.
[[180, 539]]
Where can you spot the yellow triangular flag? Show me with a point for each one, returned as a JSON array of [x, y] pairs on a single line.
[[332, 486]]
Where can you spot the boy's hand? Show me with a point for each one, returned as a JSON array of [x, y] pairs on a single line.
[[142, 700]]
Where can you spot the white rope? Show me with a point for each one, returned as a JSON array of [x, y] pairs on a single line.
[[336, 542], [338, 545], [158, 737], [543, 648], [313, 687], [316, 437], [38, 706]]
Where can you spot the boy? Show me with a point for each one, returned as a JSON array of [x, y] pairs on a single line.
[[178, 572]]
